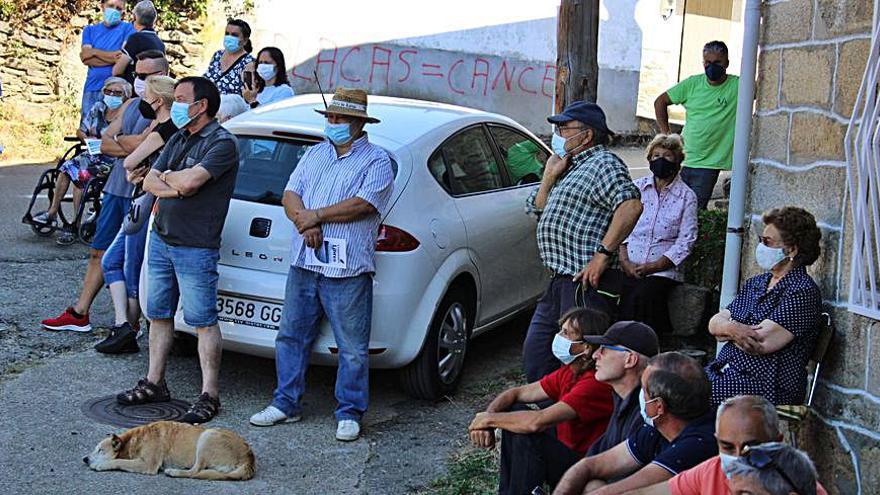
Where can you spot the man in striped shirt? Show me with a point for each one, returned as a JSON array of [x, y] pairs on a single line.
[[335, 198]]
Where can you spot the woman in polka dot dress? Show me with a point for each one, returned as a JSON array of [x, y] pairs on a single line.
[[227, 64], [771, 326]]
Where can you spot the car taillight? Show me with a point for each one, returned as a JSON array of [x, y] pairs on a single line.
[[392, 239]]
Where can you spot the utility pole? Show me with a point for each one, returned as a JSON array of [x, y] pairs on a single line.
[[577, 41]]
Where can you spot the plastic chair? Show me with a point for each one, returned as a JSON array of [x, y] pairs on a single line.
[[794, 415]]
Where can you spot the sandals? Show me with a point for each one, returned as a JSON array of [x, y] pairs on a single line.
[[203, 410], [145, 392]]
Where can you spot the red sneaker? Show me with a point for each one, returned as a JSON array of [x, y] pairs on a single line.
[[68, 321]]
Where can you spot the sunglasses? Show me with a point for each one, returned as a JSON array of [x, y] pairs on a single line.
[[760, 459], [113, 92], [614, 348], [144, 76]]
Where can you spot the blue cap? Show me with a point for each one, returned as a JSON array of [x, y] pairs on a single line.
[[585, 112]]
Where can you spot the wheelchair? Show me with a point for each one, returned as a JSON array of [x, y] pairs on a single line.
[[79, 219]]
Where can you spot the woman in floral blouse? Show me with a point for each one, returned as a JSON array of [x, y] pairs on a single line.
[[662, 239], [225, 69]]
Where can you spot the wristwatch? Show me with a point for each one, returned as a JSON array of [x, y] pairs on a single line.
[[601, 249]]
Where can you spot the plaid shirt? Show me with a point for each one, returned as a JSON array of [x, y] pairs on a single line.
[[579, 209]]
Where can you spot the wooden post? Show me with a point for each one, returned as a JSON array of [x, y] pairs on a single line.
[[577, 41]]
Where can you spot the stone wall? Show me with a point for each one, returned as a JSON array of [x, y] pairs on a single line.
[[813, 56]]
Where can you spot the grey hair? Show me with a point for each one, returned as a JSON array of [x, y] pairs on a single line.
[[682, 384], [754, 403], [716, 46], [231, 105], [794, 463], [145, 13], [126, 87]]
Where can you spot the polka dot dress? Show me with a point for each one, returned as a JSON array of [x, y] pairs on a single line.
[[795, 304], [228, 82]]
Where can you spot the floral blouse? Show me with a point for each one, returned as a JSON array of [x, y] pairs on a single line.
[[228, 82]]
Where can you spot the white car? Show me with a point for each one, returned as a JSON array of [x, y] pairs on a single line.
[[456, 253]]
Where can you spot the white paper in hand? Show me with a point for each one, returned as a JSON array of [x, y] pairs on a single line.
[[331, 254], [94, 146]]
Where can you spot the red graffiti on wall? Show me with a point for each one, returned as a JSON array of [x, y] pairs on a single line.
[[410, 66]]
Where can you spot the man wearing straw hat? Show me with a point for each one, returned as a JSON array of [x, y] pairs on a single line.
[[335, 198]]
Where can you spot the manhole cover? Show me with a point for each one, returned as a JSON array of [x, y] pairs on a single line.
[[106, 410]]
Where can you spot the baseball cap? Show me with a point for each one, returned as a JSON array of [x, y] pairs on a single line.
[[585, 112], [633, 335]]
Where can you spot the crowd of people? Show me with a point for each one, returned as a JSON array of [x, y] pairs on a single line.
[[604, 410]]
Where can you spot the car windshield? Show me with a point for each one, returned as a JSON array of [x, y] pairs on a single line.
[[265, 166]]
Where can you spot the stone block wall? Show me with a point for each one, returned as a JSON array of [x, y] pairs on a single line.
[[812, 59]]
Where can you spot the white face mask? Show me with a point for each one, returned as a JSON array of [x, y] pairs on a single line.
[[768, 257], [643, 408], [266, 71], [562, 349], [726, 461], [140, 86]]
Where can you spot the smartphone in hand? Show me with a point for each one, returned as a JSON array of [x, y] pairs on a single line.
[[249, 79]]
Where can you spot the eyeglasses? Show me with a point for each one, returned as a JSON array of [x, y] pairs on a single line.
[[614, 348], [144, 76], [113, 92], [760, 459], [558, 128], [768, 241]]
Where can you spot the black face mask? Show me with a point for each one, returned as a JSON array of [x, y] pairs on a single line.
[[715, 71], [147, 110], [663, 168]]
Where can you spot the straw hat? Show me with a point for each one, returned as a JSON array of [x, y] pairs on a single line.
[[351, 102]]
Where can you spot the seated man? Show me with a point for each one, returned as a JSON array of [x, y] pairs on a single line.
[[530, 453], [678, 433], [772, 469], [621, 358], [743, 421]]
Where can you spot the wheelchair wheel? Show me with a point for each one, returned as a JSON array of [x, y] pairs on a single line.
[[89, 210], [41, 200]]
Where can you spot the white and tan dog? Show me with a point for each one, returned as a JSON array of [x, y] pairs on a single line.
[[182, 450]]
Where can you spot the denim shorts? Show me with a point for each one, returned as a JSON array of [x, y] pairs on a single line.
[[113, 211], [181, 272]]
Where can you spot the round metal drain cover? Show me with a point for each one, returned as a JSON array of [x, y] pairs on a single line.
[[106, 410]]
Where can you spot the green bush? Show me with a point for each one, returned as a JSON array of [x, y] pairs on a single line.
[[705, 265]]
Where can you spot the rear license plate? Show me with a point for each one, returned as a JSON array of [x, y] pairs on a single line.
[[246, 311]]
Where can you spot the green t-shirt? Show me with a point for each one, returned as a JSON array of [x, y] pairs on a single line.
[[711, 120]]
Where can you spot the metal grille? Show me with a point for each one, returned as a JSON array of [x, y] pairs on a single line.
[[863, 158]]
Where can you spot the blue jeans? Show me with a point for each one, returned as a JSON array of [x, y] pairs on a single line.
[[348, 304], [181, 271], [122, 260], [113, 211], [89, 99], [702, 182]]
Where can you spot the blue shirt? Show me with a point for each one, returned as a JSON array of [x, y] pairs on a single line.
[[106, 38], [322, 179], [795, 304], [693, 445]]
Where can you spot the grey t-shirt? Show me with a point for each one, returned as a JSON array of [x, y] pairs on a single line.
[[197, 220], [133, 123]]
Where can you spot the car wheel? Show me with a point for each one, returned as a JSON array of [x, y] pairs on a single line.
[[437, 369]]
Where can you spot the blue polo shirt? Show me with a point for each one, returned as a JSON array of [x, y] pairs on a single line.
[[107, 38], [693, 445]]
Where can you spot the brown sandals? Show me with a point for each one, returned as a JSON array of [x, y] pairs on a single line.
[[145, 392]]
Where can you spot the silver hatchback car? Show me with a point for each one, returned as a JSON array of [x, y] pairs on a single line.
[[456, 254]]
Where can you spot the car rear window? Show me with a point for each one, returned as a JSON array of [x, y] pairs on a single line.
[[264, 167]]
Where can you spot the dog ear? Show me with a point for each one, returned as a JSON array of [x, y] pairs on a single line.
[[115, 442]]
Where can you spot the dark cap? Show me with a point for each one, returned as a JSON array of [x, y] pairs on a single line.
[[585, 112], [633, 335]]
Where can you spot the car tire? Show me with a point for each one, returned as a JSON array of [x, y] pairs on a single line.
[[437, 369]]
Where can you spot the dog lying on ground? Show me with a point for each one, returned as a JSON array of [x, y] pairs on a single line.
[[182, 450]]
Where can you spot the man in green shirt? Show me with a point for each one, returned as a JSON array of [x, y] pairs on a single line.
[[710, 101]]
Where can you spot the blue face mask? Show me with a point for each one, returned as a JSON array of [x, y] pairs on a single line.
[[180, 114], [643, 409], [112, 102], [726, 461], [112, 16], [338, 133], [715, 71], [557, 142], [231, 43]]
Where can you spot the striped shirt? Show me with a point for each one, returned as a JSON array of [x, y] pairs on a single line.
[[322, 179]]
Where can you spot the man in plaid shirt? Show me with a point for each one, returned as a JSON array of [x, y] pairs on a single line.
[[586, 205]]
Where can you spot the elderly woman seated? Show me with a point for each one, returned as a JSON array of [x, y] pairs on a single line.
[[662, 238], [770, 328], [772, 469]]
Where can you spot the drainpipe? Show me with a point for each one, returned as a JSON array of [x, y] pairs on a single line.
[[740, 175]]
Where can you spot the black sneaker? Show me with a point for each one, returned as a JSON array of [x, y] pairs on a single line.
[[122, 340], [203, 410]]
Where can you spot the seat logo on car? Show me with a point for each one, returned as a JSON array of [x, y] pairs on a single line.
[[260, 227], [259, 256]]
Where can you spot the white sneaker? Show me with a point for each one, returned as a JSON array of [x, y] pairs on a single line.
[[348, 430], [272, 416]]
